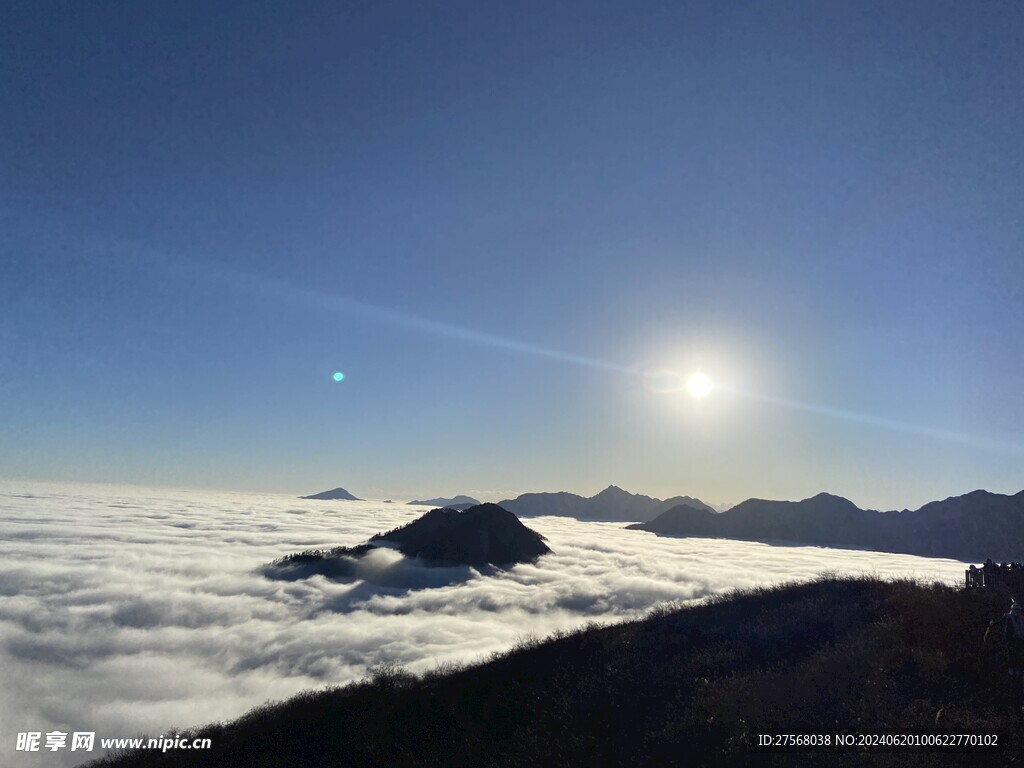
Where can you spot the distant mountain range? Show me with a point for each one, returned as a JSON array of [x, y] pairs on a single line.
[[972, 527], [612, 504], [454, 503], [337, 494]]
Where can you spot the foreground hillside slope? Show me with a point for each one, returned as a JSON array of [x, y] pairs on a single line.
[[684, 687]]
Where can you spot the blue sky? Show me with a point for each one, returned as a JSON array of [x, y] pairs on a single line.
[[490, 216]]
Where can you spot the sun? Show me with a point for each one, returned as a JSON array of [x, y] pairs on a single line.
[[699, 385]]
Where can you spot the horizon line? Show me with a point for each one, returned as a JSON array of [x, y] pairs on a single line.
[[401, 500]]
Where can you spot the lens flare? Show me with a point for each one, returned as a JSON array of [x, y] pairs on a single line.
[[659, 380], [663, 380]]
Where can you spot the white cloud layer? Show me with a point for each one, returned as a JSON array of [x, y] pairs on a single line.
[[131, 610]]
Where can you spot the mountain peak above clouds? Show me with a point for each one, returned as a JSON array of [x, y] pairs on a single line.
[[611, 504], [480, 536], [468, 501], [972, 526], [335, 494]]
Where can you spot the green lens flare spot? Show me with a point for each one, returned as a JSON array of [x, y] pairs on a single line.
[[338, 376]]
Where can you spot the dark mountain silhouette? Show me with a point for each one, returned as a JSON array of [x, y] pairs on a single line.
[[561, 503], [974, 526], [684, 687], [337, 494], [484, 534], [480, 535], [613, 504], [454, 502], [675, 501], [336, 563]]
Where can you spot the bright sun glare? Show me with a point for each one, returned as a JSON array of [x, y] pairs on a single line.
[[699, 385]]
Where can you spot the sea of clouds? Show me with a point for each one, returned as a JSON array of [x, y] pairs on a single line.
[[127, 610]]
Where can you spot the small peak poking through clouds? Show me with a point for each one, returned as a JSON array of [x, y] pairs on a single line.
[[481, 535], [335, 494]]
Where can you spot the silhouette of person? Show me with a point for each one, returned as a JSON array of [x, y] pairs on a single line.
[[973, 577]]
